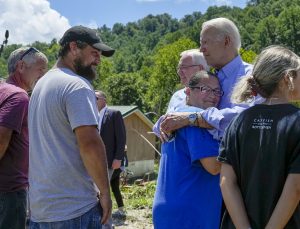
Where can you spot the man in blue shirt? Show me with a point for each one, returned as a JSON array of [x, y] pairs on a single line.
[[188, 193], [220, 43]]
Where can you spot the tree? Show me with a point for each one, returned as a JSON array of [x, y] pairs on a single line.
[[123, 89], [266, 33], [104, 70], [118, 28], [248, 55], [289, 28]]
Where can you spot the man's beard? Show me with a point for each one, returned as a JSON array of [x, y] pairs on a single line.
[[87, 72]]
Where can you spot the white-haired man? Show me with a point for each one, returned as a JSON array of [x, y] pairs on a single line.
[[191, 61], [220, 42]]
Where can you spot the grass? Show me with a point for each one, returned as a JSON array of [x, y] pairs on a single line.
[[139, 196], [138, 200]]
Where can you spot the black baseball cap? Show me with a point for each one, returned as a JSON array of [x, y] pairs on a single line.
[[87, 35]]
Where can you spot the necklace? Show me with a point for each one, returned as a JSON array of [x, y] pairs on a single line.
[[275, 100]]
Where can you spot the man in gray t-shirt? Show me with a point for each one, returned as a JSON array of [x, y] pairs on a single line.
[[67, 161]]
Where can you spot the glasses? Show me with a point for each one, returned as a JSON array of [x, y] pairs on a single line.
[[97, 98], [207, 89], [31, 49], [185, 66]]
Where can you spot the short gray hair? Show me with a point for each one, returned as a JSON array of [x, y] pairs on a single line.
[[271, 65], [197, 57], [225, 27], [30, 58]]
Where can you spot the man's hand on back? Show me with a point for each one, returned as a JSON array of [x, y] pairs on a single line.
[[178, 120], [174, 121]]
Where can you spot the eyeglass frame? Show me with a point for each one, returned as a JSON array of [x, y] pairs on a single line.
[[186, 66], [31, 49], [178, 68], [100, 97], [209, 91]]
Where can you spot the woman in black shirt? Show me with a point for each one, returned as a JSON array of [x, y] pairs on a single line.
[[260, 175]]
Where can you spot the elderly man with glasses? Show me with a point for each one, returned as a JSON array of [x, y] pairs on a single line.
[[25, 67], [188, 193], [190, 62]]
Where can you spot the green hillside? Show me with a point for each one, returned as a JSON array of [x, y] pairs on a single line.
[[143, 70]]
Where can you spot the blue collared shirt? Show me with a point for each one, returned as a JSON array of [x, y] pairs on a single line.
[[228, 76]]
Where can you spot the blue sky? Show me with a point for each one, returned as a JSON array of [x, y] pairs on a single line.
[[43, 20], [109, 12]]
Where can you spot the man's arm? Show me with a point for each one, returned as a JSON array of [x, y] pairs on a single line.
[[287, 203], [214, 119], [13, 113], [220, 118], [178, 120], [92, 152], [203, 149], [5, 136], [211, 165], [233, 198], [156, 126], [177, 101], [120, 134]]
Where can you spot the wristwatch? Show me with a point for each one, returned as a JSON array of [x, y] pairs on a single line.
[[193, 118]]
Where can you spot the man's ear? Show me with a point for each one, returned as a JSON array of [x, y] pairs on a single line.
[[20, 66], [73, 48], [227, 40], [187, 91]]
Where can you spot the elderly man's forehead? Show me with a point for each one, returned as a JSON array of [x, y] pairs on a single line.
[[186, 57], [99, 93], [208, 31]]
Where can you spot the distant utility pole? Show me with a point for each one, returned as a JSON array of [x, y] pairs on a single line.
[[4, 42]]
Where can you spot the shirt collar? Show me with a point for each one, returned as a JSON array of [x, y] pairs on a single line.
[[232, 67]]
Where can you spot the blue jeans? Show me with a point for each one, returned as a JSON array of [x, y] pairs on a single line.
[[89, 220], [13, 209]]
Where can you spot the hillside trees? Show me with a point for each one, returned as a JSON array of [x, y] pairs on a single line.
[[289, 28], [143, 70]]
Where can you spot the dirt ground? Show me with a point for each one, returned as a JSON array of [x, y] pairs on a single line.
[[135, 219]]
